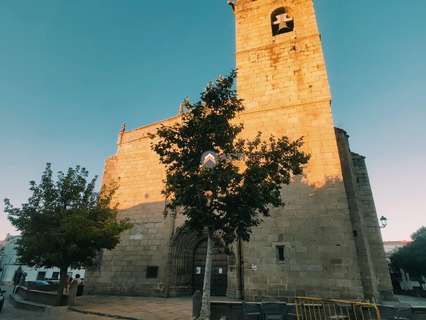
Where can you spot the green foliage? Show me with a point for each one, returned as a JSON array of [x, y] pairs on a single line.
[[233, 197], [412, 257], [65, 222], [421, 233]]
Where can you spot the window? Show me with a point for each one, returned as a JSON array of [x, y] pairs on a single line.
[[280, 253], [152, 272], [55, 275], [41, 275], [281, 21]]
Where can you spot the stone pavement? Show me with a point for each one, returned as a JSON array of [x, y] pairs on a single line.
[[136, 307], [413, 301], [62, 313], [159, 308], [132, 308], [145, 308]]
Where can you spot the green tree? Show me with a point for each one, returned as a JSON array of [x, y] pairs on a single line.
[[412, 257], [65, 222], [419, 233], [226, 201]]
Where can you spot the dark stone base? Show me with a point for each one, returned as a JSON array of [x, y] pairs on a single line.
[[40, 297]]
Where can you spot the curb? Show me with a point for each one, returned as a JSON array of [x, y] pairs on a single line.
[[108, 315]]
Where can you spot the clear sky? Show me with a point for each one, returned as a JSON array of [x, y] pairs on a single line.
[[72, 71]]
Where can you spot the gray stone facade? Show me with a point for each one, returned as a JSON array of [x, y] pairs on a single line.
[[325, 242]]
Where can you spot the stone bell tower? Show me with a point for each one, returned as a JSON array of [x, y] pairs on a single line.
[[279, 55], [315, 245], [282, 77]]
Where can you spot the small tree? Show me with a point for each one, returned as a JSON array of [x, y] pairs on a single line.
[[412, 257], [226, 201], [421, 233], [65, 222]]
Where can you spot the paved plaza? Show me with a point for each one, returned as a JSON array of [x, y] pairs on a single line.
[[413, 301], [62, 313], [137, 307], [107, 307]]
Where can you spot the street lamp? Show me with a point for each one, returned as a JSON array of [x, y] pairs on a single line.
[[209, 160], [383, 222]]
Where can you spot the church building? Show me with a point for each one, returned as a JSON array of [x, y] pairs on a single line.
[[325, 242]]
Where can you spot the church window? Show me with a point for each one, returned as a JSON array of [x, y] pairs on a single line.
[[152, 272], [281, 21], [280, 253]]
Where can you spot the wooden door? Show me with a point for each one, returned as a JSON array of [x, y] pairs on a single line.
[[219, 270]]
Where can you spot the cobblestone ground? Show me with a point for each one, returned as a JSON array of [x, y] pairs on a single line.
[[414, 301], [138, 307], [132, 307], [11, 313]]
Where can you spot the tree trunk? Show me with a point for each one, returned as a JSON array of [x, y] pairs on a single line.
[[205, 304], [61, 287], [240, 292]]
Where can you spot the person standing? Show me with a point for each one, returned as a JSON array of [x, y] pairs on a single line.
[[17, 278], [23, 279], [67, 281], [73, 290]]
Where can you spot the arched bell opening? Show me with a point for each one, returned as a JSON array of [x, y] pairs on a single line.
[[282, 21]]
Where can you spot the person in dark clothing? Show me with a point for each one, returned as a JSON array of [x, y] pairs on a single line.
[[17, 278]]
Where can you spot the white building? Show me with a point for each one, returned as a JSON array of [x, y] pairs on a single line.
[[9, 264], [392, 246]]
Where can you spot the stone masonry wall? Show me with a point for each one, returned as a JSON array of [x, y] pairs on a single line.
[[374, 270], [372, 228], [136, 170], [314, 226], [368, 275], [282, 70], [283, 82]]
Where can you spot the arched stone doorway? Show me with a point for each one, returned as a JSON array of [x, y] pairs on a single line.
[[187, 264], [219, 281]]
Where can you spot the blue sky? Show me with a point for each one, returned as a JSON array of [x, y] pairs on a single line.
[[72, 71]]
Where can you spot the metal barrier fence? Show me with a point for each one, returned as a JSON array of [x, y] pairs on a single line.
[[322, 309]]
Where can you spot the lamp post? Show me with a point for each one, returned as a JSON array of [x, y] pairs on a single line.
[[383, 222], [209, 160]]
